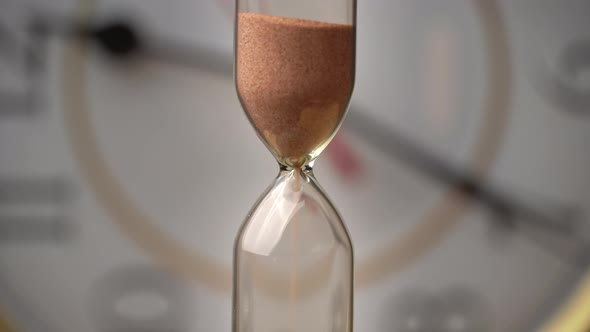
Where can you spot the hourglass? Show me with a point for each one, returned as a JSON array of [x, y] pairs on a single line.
[[293, 259]]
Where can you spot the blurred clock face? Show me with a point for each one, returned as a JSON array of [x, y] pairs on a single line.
[[123, 184]]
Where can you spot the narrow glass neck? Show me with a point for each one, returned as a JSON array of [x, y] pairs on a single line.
[[296, 175], [307, 168]]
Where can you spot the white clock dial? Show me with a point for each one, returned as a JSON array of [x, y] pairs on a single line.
[[121, 193]]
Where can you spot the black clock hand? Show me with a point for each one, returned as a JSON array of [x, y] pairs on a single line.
[[123, 41], [553, 227], [426, 162]]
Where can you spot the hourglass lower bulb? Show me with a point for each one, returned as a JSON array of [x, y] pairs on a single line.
[[293, 259]]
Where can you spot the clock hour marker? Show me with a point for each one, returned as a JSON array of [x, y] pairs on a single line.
[[453, 309], [21, 70], [34, 209], [33, 190], [18, 229], [141, 298], [567, 84]]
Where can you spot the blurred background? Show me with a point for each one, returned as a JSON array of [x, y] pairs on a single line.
[[127, 165]]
